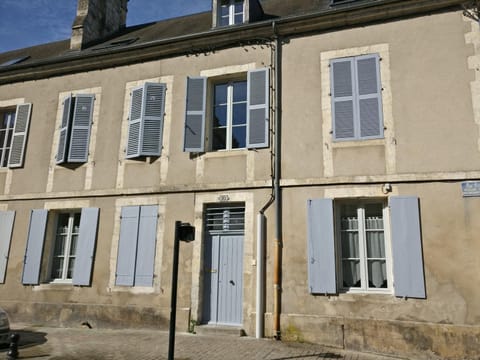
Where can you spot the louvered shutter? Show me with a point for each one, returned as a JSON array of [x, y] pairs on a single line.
[[64, 135], [82, 271], [147, 234], [81, 126], [20, 132], [152, 124], [6, 227], [409, 280], [34, 250], [369, 96], [194, 132], [321, 247], [135, 123], [342, 92], [127, 246], [258, 108]]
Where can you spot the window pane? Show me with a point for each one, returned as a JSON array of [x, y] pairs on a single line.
[[350, 247], [76, 222], [73, 245], [60, 245], [5, 158], [239, 91], [238, 19], [9, 138], [238, 6], [239, 137], [375, 244], [57, 268], [351, 273], [377, 274], [223, 21], [2, 137], [71, 264], [240, 114], [220, 95], [220, 118], [219, 139]]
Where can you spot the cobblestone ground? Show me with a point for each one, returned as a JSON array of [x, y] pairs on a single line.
[[40, 343]]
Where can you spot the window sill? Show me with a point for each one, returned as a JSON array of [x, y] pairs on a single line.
[[132, 289], [357, 143], [55, 285], [225, 153]]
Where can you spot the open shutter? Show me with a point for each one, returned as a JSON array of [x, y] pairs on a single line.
[[135, 123], [369, 96], [64, 135], [194, 133], [82, 271], [321, 247], [147, 234], [20, 132], [342, 92], [6, 227], [409, 280], [258, 108], [81, 126], [127, 246], [151, 144], [34, 250]]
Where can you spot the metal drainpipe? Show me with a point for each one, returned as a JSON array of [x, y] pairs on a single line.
[[277, 272]]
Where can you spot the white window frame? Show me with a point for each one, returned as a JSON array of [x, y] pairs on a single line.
[[6, 146], [231, 13], [360, 206], [230, 104], [66, 254]]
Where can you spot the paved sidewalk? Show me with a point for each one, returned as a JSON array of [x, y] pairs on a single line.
[[41, 343]]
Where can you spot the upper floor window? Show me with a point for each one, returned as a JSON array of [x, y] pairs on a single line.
[[227, 114], [74, 136], [231, 12], [356, 93], [13, 134]]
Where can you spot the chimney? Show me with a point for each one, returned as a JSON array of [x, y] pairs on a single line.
[[96, 20]]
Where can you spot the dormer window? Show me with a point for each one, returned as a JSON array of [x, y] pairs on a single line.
[[231, 12]]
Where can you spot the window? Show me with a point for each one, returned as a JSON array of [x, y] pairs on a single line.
[[65, 247], [72, 243], [136, 247], [352, 252], [356, 98], [238, 115], [145, 121], [13, 135], [362, 248], [74, 137], [231, 12]]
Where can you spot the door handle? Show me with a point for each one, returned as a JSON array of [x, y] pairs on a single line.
[[212, 271], [232, 282]]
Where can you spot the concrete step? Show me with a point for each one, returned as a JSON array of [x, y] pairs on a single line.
[[219, 330]]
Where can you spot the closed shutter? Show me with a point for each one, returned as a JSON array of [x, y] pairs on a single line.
[[321, 247], [81, 126], [369, 96], [64, 135], [147, 234], [87, 236], [342, 92], [6, 227], [194, 132], [34, 250], [409, 280], [20, 132], [153, 119], [258, 108], [135, 123], [127, 246]]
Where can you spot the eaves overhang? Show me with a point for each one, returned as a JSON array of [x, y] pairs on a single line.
[[204, 42]]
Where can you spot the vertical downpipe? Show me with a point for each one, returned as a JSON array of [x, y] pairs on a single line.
[[260, 304]]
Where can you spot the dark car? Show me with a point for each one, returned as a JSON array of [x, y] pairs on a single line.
[[4, 328]]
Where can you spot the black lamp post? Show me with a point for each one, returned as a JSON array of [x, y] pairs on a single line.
[[183, 232]]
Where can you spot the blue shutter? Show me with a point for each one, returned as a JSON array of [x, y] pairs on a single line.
[[127, 246], [321, 247], [135, 123], [369, 90], [87, 236], [6, 227], [64, 135], [20, 132], [34, 250], [147, 234], [81, 126], [409, 280], [194, 132], [258, 108], [152, 121], [342, 93]]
